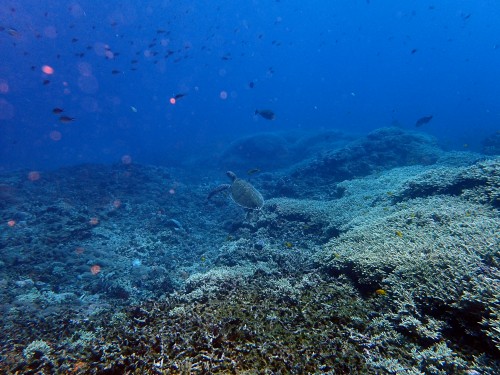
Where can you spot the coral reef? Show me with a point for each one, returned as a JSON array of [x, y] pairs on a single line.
[[491, 144], [382, 149], [128, 268], [269, 151], [264, 150]]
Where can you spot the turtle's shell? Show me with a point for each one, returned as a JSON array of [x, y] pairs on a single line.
[[244, 194]]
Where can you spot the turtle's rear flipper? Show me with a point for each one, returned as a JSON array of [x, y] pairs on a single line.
[[217, 190]]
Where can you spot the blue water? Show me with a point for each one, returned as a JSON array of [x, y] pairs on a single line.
[[352, 65], [351, 237]]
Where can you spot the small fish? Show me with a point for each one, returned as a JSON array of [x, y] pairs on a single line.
[[251, 85], [265, 113], [178, 96], [465, 17], [57, 111], [133, 109], [115, 71], [12, 31], [253, 171], [66, 119], [381, 292], [423, 120], [288, 244], [45, 82]]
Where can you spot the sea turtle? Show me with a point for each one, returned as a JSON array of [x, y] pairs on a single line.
[[241, 191]]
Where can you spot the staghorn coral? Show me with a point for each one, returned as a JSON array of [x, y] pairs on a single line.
[[434, 270], [37, 349], [479, 183]]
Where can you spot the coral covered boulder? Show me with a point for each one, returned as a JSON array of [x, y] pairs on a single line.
[[380, 150], [264, 150]]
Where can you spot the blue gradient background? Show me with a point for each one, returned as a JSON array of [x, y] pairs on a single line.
[[318, 65]]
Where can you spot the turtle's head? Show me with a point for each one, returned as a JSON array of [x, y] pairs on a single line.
[[231, 175]]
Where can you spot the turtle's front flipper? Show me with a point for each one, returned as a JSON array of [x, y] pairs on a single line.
[[218, 189]]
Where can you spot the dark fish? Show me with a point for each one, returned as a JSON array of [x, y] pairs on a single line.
[[178, 96], [66, 119], [253, 171], [423, 120], [12, 31], [46, 81], [413, 51], [115, 71], [266, 113], [57, 111], [251, 85]]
